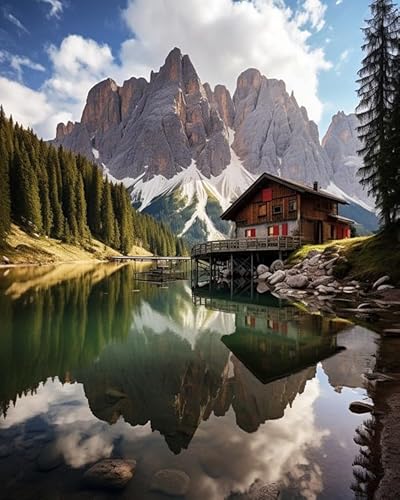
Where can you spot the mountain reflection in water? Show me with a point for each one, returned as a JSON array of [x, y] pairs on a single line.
[[193, 369]]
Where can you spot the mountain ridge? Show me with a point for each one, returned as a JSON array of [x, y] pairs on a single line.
[[180, 145]]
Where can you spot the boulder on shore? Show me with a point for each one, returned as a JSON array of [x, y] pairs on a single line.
[[298, 281], [380, 281], [277, 265], [111, 473], [264, 276], [277, 277], [261, 269]]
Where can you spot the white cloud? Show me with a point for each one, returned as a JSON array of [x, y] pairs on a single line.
[[17, 63], [338, 2], [14, 20], [343, 59], [30, 108], [222, 37], [313, 12], [56, 8]]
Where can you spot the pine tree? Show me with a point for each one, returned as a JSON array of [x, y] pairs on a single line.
[[376, 86], [393, 152], [47, 214], [54, 176], [5, 196], [25, 192], [107, 215]]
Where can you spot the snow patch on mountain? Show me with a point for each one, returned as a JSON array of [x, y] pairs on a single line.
[[335, 190]]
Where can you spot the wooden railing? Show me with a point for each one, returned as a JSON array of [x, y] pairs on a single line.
[[247, 244]]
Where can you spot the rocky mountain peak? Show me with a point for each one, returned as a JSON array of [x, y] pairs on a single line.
[[341, 144], [175, 130]]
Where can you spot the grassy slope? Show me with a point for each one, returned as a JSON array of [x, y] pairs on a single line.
[[23, 248], [370, 257]]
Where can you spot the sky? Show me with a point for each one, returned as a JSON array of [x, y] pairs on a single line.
[[53, 51]]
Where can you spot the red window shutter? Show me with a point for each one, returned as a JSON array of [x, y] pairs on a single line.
[[267, 194], [276, 230], [253, 233], [284, 229]]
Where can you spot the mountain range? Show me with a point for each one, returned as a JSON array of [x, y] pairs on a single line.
[[185, 151]]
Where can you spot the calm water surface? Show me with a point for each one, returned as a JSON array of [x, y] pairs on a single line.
[[95, 364]]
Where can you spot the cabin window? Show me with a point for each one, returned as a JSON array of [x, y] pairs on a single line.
[[250, 233], [277, 209], [292, 205], [270, 230], [267, 194], [262, 210]]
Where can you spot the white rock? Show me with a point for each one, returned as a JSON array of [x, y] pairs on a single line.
[[323, 280], [299, 281], [262, 287], [380, 281], [314, 260], [261, 269], [277, 277], [384, 287], [277, 265], [264, 276]]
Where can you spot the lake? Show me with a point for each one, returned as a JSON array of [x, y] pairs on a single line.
[[95, 363]]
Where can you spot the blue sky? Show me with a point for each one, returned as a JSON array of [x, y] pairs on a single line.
[[53, 51]]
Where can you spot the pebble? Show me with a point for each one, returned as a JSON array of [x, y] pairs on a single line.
[[171, 482], [111, 473]]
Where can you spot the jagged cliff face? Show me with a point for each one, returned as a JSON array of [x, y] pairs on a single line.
[[186, 151], [341, 144]]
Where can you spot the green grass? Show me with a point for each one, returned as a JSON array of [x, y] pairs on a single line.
[[370, 257]]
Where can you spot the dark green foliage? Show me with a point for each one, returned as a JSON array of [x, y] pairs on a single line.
[[5, 196], [59, 194], [377, 85]]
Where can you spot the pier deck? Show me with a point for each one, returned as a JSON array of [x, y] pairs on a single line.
[[271, 243]]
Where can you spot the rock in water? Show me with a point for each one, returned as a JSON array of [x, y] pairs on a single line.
[[111, 473], [380, 281], [171, 482], [277, 265], [360, 407], [277, 277], [262, 287], [300, 281], [258, 491]]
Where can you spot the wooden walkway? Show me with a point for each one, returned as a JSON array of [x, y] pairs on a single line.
[[271, 243]]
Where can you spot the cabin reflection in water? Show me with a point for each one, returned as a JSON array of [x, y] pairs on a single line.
[[274, 341]]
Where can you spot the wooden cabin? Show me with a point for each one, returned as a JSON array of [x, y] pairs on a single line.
[[274, 206]]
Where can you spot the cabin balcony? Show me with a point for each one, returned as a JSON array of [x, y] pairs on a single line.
[[270, 243]]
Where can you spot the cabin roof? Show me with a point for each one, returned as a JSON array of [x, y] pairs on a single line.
[[296, 186]]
